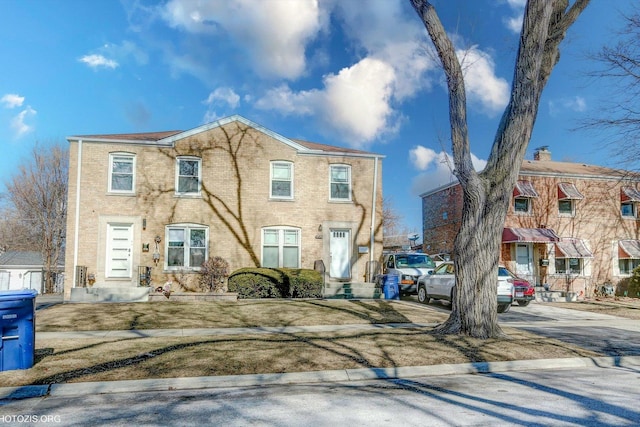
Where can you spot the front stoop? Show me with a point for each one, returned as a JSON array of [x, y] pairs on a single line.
[[352, 290], [556, 296], [106, 294]]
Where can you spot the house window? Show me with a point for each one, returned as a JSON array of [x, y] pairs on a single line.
[[281, 247], [569, 266], [281, 180], [340, 182], [188, 176], [565, 207], [521, 204], [187, 246], [628, 209], [628, 265], [121, 173]]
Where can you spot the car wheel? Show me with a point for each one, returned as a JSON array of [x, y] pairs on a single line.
[[422, 295], [503, 308], [524, 303]]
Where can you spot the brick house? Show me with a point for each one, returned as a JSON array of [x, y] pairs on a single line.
[[154, 206], [571, 226]]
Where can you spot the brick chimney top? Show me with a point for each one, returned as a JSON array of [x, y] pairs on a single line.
[[542, 154]]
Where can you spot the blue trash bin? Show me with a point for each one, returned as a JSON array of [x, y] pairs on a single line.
[[17, 329], [390, 286]]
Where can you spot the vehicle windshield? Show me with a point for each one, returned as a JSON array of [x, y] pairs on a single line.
[[414, 261], [503, 272]]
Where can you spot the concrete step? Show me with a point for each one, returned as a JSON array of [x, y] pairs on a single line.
[[352, 290], [556, 296]]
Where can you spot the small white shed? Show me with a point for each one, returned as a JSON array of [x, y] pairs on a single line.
[[21, 270]]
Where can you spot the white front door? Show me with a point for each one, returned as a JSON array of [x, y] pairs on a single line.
[[119, 248], [340, 267], [524, 259]]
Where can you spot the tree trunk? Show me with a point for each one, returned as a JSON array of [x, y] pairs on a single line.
[[486, 195]]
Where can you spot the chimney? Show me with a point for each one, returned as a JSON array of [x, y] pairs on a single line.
[[542, 154]]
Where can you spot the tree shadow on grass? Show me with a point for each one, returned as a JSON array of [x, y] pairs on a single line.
[[376, 311]]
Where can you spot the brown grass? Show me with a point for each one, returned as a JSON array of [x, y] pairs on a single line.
[[619, 306], [109, 359]]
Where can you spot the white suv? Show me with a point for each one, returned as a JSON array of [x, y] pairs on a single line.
[[409, 266], [439, 285]]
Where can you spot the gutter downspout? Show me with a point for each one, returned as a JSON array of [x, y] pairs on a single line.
[[373, 216], [77, 213]]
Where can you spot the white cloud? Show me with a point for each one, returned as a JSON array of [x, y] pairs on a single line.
[[514, 23], [576, 104], [355, 103], [97, 61], [12, 100], [482, 84], [18, 123], [437, 168], [224, 95], [273, 33]]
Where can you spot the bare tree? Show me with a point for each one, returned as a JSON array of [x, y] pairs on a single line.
[[486, 194], [391, 218], [620, 70], [38, 202]]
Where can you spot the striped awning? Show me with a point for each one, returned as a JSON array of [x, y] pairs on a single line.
[[629, 194], [524, 189], [572, 248], [628, 249], [529, 235], [568, 191]]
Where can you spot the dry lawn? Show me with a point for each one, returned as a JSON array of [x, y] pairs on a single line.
[[618, 306], [109, 359]]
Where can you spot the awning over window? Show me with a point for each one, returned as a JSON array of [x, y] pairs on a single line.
[[629, 194], [568, 191], [529, 235], [524, 189], [629, 249], [572, 248]]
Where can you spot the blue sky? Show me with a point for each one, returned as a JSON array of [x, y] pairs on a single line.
[[340, 72]]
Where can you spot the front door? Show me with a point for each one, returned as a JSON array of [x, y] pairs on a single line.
[[340, 267], [524, 260], [119, 248]]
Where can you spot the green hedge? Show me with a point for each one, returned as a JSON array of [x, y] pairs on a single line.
[[276, 283]]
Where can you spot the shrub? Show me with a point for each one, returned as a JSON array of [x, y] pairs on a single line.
[[276, 283], [213, 274], [630, 285]]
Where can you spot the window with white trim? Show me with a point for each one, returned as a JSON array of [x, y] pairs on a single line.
[[188, 175], [522, 205], [627, 265], [566, 207], [187, 246], [340, 182], [281, 180], [122, 168], [568, 265], [628, 209], [281, 247]]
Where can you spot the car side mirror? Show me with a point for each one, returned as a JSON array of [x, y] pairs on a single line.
[[430, 272]]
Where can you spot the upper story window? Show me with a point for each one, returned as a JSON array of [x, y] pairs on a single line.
[[629, 199], [122, 168], [522, 195], [187, 246], [281, 180], [340, 182], [568, 194], [281, 247], [188, 175]]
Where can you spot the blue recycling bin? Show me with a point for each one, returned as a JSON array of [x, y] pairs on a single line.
[[390, 286], [17, 329]]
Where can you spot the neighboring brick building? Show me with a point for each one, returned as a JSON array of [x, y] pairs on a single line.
[[569, 225], [169, 200]]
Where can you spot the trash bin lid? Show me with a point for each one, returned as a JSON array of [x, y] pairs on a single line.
[[17, 294]]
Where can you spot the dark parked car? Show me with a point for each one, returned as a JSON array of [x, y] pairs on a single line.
[[523, 291]]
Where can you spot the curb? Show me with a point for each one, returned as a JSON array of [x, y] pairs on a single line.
[[335, 376]]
